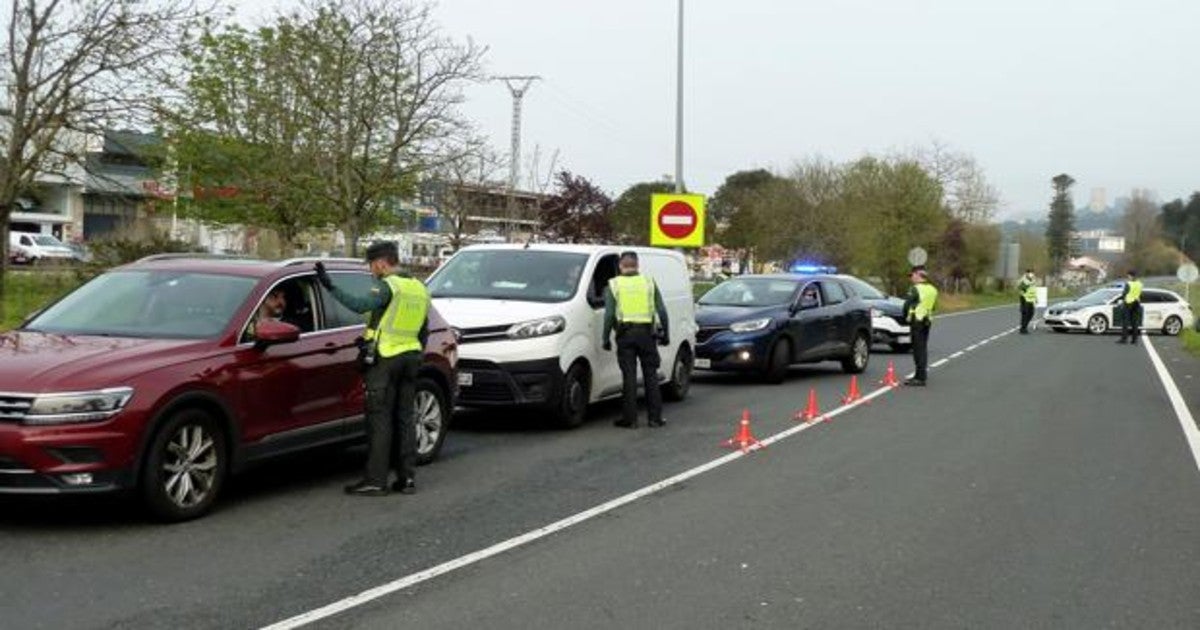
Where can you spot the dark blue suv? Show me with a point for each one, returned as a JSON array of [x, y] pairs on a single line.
[[766, 323]]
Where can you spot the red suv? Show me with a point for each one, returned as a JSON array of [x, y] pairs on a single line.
[[162, 376]]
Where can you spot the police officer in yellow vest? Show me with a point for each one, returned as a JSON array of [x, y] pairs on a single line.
[[922, 300], [397, 327], [1131, 298], [1027, 288], [634, 307]]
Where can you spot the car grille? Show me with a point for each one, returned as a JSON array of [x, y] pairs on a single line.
[[13, 407], [489, 384], [485, 333], [704, 334]]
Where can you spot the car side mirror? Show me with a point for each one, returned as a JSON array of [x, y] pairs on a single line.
[[272, 333]]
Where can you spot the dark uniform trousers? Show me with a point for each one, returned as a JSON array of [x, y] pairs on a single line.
[[920, 348], [1132, 327], [391, 426], [1026, 313], [636, 343]]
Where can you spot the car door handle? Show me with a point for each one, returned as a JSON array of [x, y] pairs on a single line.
[[330, 348]]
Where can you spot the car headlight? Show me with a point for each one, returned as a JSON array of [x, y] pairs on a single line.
[[77, 406], [751, 325], [537, 328], [876, 313]]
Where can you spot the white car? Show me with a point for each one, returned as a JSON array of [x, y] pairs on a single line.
[[1099, 312], [29, 247]]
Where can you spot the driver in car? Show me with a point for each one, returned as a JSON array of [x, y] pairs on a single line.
[[272, 308]]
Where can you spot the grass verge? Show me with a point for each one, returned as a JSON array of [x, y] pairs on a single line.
[[28, 291]]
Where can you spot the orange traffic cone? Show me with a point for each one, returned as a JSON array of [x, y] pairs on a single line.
[[890, 379], [853, 394], [743, 439], [812, 412]]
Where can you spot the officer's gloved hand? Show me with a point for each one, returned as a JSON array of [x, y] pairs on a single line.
[[322, 275], [664, 340], [607, 345]]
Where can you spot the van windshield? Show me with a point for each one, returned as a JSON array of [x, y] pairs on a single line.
[[502, 274]]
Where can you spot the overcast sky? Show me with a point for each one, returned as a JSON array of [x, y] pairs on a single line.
[[1107, 91]]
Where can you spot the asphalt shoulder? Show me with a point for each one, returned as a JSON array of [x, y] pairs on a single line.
[[1184, 369]]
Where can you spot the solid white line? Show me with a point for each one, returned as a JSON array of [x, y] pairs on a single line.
[[971, 312], [1190, 431], [407, 581]]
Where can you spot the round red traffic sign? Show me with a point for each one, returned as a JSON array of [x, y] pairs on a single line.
[[677, 220]]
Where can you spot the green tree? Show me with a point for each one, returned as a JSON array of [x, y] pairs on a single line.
[[1181, 225], [736, 191], [73, 70], [1061, 224], [359, 97], [1034, 253], [631, 211]]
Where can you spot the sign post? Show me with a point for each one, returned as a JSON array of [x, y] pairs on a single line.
[[917, 256], [677, 220], [1187, 274]]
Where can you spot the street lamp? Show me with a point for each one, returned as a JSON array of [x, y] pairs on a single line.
[[679, 106]]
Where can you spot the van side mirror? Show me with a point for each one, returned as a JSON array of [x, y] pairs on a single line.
[[269, 332]]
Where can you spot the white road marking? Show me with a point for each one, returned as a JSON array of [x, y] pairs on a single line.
[[938, 364], [1190, 431], [407, 581], [971, 312]]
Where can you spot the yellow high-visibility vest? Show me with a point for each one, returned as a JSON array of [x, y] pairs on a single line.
[[926, 301], [400, 327], [635, 299], [1135, 292]]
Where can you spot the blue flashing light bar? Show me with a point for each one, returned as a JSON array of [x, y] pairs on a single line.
[[809, 268]]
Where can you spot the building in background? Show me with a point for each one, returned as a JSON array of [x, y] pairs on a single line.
[[1099, 201]]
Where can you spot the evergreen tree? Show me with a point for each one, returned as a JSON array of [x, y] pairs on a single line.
[[1062, 223]]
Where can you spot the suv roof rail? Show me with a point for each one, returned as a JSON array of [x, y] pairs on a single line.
[[290, 262], [190, 255]]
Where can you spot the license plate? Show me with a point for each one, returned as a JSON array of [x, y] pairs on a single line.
[[703, 364], [904, 339], [465, 379]]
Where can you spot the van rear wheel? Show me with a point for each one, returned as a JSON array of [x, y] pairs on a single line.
[[681, 376]]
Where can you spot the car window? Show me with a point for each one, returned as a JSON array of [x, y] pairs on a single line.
[[291, 301], [750, 292], [336, 314], [810, 296], [606, 269], [832, 292], [25, 241], [149, 304]]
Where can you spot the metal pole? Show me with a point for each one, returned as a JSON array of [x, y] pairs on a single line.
[[679, 188]]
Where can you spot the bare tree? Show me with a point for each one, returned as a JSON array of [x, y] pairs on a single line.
[[73, 69], [462, 178], [965, 190]]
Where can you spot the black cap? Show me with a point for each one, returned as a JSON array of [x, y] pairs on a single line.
[[383, 249]]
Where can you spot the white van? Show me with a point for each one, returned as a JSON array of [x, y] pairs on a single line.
[[30, 247], [530, 320]]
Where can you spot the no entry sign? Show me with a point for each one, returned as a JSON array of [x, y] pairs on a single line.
[[677, 220]]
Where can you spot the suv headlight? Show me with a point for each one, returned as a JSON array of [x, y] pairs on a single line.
[[751, 325], [876, 313], [537, 328], [77, 406]]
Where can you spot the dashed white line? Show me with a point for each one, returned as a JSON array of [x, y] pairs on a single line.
[[408, 581], [1186, 420]]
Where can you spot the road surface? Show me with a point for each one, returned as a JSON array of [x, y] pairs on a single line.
[[1041, 481]]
